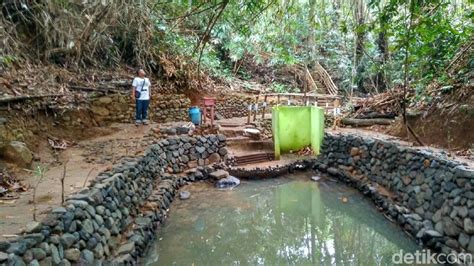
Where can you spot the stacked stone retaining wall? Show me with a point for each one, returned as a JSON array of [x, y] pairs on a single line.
[[115, 217], [433, 197]]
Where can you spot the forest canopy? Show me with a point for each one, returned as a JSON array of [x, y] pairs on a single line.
[[367, 46]]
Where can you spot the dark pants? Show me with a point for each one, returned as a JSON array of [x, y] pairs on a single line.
[[141, 110]]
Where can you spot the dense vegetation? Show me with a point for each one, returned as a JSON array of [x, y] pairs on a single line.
[[367, 46]]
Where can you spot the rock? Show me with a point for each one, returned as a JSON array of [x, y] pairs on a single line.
[[463, 240], [3, 256], [17, 152], [433, 233], [406, 180], [214, 158], [68, 239], [316, 178], [18, 248], [462, 211], [38, 253], [470, 247], [200, 149], [15, 260], [125, 259], [87, 257], [59, 210], [184, 195], [221, 137], [463, 172], [46, 261], [87, 226], [468, 226], [4, 245], [98, 110], [28, 256], [413, 216], [64, 262], [452, 243], [354, 151], [105, 100], [450, 228], [219, 174], [72, 254], [192, 164], [333, 171], [34, 263], [228, 182], [33, 227], [55, 254], [100, 209], [223, 151], [128, 248]]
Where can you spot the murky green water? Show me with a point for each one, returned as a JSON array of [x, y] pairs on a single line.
[[285, 221]]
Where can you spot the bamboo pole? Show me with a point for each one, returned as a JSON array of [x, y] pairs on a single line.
[[256, 108], [264, 106]]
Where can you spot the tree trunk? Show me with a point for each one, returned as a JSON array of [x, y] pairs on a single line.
[[366, 122], [359, 18], [382, 44]]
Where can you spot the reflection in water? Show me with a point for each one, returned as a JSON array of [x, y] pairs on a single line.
[[274, 222]]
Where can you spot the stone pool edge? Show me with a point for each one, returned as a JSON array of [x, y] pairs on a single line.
[[132, 199], [105, 220]]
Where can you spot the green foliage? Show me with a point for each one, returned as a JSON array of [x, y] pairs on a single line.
[[281, 88], [424, 35], [301, 32], [6, 61]]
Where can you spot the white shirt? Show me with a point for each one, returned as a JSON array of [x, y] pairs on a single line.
[[142, 85]]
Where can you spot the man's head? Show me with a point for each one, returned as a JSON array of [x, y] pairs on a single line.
[[141, 73]]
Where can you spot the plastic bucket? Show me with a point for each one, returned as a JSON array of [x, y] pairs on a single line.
[[195, 115]]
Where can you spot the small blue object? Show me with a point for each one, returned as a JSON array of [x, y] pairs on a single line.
[[195, 115]]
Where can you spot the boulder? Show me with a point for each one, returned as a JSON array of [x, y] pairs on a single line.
[[219, 174], [18, 153], [228, 182]]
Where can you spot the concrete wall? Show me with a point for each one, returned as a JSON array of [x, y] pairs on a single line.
[[95, 224], [433, 197]]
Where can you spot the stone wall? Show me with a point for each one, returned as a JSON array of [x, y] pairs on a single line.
[[163, 108], [233, 105], [95, 224], [433, 197], [120, 108]]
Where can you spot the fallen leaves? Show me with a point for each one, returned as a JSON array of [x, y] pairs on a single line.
[[9, 186]]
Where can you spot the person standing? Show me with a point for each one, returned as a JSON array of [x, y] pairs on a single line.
[[141, 94]]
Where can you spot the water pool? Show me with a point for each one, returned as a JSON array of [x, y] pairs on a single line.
[[286, 221]]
